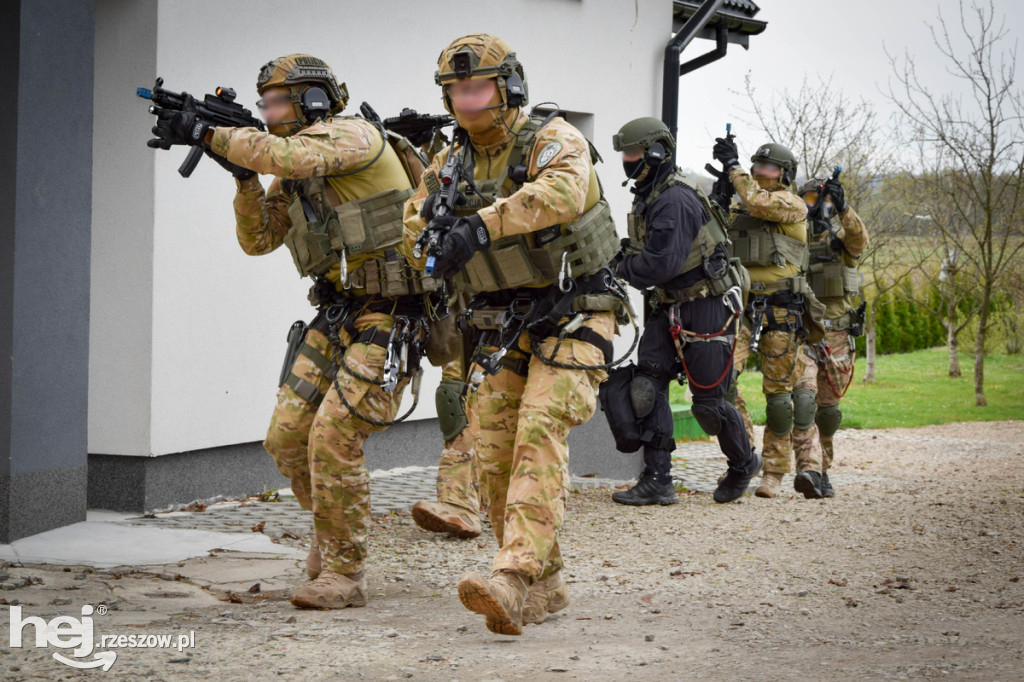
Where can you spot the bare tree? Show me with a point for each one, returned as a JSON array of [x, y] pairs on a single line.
[[824, 128], [970, 153]]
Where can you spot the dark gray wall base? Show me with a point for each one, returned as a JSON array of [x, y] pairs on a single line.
[[39, 501], [146, 483]]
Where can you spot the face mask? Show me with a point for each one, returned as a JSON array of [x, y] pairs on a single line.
[[632, 168]]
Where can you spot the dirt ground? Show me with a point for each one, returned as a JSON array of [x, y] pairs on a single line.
[[912, 570]]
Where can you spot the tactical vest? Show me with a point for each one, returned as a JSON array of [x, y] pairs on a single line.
[[325, 234], [536, 258], [709, 238], [755, 243], [828, 275]]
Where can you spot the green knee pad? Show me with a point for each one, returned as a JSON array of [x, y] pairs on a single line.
[[779, 413], [828, 420], [451, 414], [803, 408]]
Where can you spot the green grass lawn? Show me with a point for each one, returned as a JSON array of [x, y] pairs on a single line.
[[913, 389]]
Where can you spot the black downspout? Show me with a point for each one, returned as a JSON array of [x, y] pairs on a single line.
[[672, 69], [721, 45]]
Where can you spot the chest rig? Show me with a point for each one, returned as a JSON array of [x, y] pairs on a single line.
[[709, 251], [828, 274], [541, 257]]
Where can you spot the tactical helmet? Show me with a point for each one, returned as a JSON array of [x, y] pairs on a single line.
[[812, 185], [298, 73], [773, 152], [480, 56], [642, 132]]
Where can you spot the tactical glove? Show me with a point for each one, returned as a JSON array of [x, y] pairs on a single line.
[[178, 127], [239, 172], [463, 239], [431, 202], [726, 153], [835, 189]]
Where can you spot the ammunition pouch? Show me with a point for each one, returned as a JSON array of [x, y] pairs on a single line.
[[757, 242], [320, 236], [540, 258], [390, 276]]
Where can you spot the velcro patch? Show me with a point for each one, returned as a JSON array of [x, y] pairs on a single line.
[[549, 152]]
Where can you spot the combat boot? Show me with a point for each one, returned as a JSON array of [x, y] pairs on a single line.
[[826, 486], [809, 483], [771, 484], [734, 484], [549, 595], [646, 491], [440, 517], [332, 591], [500, 598], [313, 565]]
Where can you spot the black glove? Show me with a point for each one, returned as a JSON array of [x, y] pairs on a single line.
[[430, 204], [239, 172], [726, 153], [722, 191], [463, 239], [178, 127], [834, 188]]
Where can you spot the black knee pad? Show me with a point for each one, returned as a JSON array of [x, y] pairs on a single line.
[[828, 420], [804, 406], [707, 417], [779, 413], [643, 394]]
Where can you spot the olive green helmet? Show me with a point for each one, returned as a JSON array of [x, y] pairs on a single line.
[[298, 73], [480, 56], [773, 152], [642, 133], [812, 185]]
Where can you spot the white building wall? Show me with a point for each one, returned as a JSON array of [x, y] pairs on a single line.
[[188, 332]]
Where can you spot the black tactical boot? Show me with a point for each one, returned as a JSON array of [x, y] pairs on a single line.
[[809, 483], [734, 483], [826, 487], [647, 491]]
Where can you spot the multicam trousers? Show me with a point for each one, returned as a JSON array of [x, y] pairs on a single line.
[[522, 424], [833, 377]]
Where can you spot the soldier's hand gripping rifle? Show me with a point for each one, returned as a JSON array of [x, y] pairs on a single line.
[[429, 241], [816, 214], [722, 190], [218, 109]]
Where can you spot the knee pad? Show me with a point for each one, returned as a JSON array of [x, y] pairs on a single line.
[[779, 413], [828, 420], [804, 405], [451, 414], [707, 417], [643, 394]]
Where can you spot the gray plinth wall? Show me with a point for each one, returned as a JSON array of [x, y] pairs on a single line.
[[45, 214]]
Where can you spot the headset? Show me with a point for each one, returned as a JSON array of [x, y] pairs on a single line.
[[515, 92], [315, 103]]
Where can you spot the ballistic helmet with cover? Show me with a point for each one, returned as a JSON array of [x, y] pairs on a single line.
[[773, 152], [481, 56], [812, 185], [303, 75], [642, 133]]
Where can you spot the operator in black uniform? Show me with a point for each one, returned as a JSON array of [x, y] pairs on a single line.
[[677, 246]]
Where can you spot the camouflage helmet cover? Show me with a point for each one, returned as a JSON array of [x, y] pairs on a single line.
[[642, 132], [478, 56], [294, 69], [773, 152]]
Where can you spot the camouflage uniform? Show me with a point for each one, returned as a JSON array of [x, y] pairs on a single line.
[[781, 370], [739, 363], [522, 415], [329, 476], [834, 373]]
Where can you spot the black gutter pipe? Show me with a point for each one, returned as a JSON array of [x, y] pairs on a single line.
[[673, 69]]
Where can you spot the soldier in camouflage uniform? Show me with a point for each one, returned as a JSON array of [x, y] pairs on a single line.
[[835, 281], [544, 329], [457, 509], [329, 172], [769, 235]]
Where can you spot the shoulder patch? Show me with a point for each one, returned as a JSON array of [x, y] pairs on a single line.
[[549, 152]]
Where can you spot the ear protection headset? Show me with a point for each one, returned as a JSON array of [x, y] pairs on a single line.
[[315, 103], [655, 154]]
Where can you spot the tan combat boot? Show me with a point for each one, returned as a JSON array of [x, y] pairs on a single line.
[[440, 517], [771, 484], [499, 598], [332, 591], [549, 595], [313, 565]]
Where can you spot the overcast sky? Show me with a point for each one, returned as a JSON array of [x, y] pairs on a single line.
[[847, 40]]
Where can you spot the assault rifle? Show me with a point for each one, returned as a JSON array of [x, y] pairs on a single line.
[[418, 128], [429, 241], [722, 190], [219, 109], [816, 214]]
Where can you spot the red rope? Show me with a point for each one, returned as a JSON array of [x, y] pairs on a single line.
[[676, 330]]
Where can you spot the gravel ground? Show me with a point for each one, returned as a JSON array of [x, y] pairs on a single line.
[[911, 571]]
